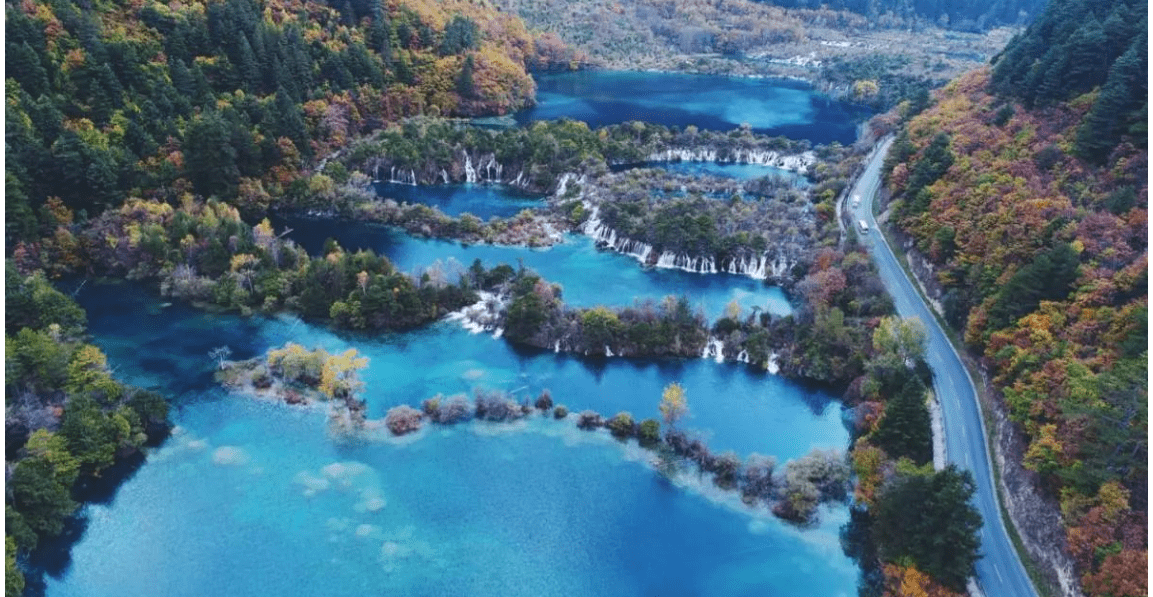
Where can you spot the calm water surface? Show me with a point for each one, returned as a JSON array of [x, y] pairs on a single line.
[[770, 106], [588, 276], [482, 201], [250, 498]]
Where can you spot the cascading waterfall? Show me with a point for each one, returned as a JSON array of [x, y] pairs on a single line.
[[754, 267], [469, 171], [608, 351], [488, 168], [444, 176], [743, 356], [562, 184], [771, 365], [714, 349], [480, 316], [409, 180], [796, 163], [603, 235], [698, 265]]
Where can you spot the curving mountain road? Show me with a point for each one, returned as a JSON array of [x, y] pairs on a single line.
[[999, 571]]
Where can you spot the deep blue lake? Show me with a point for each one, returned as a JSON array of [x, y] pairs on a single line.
[[482, 201], [712, 102]]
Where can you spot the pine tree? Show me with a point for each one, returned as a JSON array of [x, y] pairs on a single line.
[[209, 158], [202, 94], [1119, 102], [23, 64], [464, 83], [247, 68], [905, 429], [926, 518], [290, 121]]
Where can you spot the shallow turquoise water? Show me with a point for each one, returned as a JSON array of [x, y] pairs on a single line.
[[253, 498], [482, 201], [588, 276], [734, 405], [770, 106]]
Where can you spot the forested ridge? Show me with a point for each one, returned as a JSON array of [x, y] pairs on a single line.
[[107, 100], [1025, 186]]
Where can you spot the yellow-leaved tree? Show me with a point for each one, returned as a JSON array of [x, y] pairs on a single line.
[[674, 405], [338, 378]]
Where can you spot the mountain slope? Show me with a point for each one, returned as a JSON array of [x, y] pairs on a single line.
[[233, 97], [1033, 217]]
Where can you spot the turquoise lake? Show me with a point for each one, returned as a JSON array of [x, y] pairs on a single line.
[[589, 277], [712, 102], [482, 201], [252, 498]]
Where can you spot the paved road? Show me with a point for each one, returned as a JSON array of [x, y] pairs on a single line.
[[999, 572]]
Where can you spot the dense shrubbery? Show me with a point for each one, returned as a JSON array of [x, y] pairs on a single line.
[[827, 339], [536, 316], [709, 217], [206, 253], [403, 419]]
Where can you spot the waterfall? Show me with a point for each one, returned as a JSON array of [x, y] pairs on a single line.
[[608, 351], [488, 167], [469, 172], [556, 347], [771, 365], [743, 356], [562, 184], [714, 349], [410, 180], [498, 333], [797, 163], [697, 265], [754, 267], [444, 175], [480, 316], [604, 236]]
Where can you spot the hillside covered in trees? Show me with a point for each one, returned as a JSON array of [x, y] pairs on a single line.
[[106, 100], [1025, 187]]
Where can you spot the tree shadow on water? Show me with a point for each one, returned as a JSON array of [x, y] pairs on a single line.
[[53, 556]]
